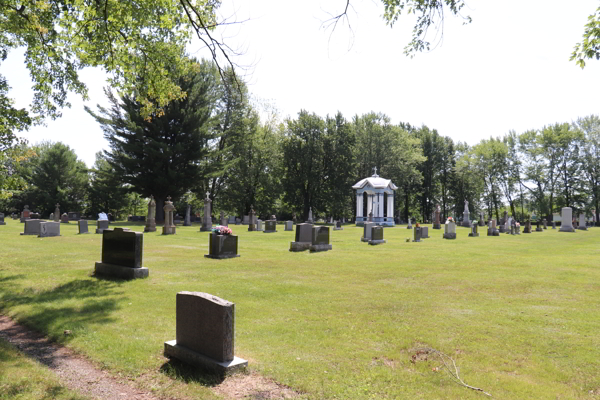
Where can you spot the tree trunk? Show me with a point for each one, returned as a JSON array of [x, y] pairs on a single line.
[[160, 212]]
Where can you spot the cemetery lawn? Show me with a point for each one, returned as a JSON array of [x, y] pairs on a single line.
[[520, 315], [25, 379]]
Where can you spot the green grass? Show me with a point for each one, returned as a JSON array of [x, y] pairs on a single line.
[[519, 314], [24, 379]]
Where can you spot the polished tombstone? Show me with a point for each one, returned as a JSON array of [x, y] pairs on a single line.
[[424, 232], [252, 222], [436, 223], [320, 239], [151, 217], [49, 229], [101, 225], [270, 226], [376, 235], [582, 224], [474, 232], [169, 227], [204, 333], [338, 226], [222, 246], [2, 219], [449, 230], [289, 225], [303, 237], [417, 234], [32, 227], [566, 223], [367, 228], [83, 226], [25, 214], [122, 251]]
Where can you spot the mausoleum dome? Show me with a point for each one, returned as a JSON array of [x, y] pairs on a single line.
[[376, 182]]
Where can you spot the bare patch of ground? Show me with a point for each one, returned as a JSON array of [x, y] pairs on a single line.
[[253, 386]]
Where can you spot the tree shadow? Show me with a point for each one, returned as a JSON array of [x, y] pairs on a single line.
[[181, 371]]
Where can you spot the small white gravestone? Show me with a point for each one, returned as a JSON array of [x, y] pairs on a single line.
[[102, 217], [450, 229]]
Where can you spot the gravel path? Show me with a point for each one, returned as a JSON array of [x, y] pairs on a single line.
[[74, 371]]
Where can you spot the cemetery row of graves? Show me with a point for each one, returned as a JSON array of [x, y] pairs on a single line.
[[205, 328]]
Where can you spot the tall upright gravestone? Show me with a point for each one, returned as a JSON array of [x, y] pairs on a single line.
[[449, 230], [169, 226], [206, 218], [151, 218], [57, 213], [25, 214], [122, 251], [481, 219], [2, 219], [436, 222], [204, 333], [582, 223], [466, 221], [252, 223], [566, 223], [367, 230], [187, 221]]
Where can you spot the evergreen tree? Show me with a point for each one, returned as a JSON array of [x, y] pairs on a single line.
[[163, 155], [106, 193]]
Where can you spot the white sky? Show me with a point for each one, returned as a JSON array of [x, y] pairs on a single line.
[[507, 70]]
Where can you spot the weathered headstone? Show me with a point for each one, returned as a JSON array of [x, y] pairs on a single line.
[[206, 219], [449, 230], [289, 225], [436, 223], [32, 227], [553, 224], [238, 221], [252, 223], [527, 228], [2, 219], [466, 221], [417, 234], [376, 235], [303, 238], [582, 224], [74, 216], [187, 221], [310, 216], [49, 229], [270, 226], [101, 223], [122, 251], [204, 333], [222, 246], [231, 220], [566, 223], [169, 225], [246, 220], [474, 232], [409, 226], [151, 218], [64, 219], [367, 230], [51, 216], [481, 219], [424, 232], [223, 220], [545, 223], [83, 226], [492, 231], [539, 226], [370, 218], [25, 214], [320, 239], [56, 216], [259, 225]]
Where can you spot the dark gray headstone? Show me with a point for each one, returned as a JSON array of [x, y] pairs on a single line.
[[320, 239], [83, 226], [123, 247], [32, 227], [101, 226], [270, 226], [73, 216], [49, 229], [424, 232], [205, 324], [222, 246], [417, 234], [304, 232], [2, 219]]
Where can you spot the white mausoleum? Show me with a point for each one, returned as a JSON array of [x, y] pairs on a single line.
[[375, 194]]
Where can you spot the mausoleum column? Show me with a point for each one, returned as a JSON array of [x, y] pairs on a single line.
[[380, 205], [359, 205], [390, 205], [369, 203]]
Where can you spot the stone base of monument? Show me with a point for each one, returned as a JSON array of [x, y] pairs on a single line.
[[119, 271], [566, 229], [150, 229], [376, 242], [169, 230], [269, 231], [409, 227], [2, 223], [173, 350], [437, 226], [466, 224], [582, 228], [501, 229], [417, 240], [449, 236], [319, 247], [364, 239], [299, 246], [473, 234], [539, 229]]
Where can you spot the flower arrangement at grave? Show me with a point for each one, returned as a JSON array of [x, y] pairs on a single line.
[[417, 225], [222, 230], [517, 224], [450, 219]]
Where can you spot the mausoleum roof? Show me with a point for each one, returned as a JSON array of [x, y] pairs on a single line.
[[376, 182]]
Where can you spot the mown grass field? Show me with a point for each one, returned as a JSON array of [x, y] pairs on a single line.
[[520, 315]]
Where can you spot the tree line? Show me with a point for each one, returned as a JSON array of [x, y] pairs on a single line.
[[217, 141]]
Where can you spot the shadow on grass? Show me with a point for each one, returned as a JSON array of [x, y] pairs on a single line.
[[181, 371], [52, 311]]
